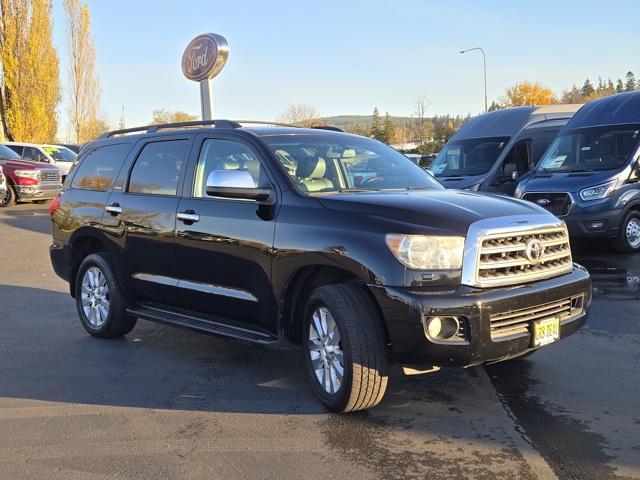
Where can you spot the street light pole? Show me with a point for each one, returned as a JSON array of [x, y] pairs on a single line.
[[484, 62]]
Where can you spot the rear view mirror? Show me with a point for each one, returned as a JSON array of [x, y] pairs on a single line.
[[236, 184]]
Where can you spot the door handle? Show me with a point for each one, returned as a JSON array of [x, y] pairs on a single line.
[[188, 217], [114, 209]]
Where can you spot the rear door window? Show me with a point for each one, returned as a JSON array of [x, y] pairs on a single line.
[[99, 168], [28, 153], [157, 168], [16, 148]]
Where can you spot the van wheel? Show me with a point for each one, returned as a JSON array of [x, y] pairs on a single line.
[[9, 198], [345, 348], [629, 237], [101, 305]]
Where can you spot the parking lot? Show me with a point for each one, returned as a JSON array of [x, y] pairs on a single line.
[[167, 403]]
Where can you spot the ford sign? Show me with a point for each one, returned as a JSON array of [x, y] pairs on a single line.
[[204, 57]]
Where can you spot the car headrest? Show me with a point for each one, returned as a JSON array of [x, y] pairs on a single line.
[[311, 167]]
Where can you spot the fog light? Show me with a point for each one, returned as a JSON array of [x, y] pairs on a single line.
[[596, 225], [441, 328]]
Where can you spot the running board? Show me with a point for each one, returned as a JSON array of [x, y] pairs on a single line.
[[198, 324]]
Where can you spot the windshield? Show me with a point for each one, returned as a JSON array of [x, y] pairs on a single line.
[[591, 149], [345, 163], [464, 158], [60, 154], [6, 152]]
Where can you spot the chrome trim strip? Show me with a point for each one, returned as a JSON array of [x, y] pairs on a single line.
[[499, 225], [197, 286]]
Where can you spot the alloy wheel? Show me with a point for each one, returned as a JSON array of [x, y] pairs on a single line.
[[325, 349], [95, 297]]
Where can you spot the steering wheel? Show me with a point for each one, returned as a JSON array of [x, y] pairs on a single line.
[[372, 180]]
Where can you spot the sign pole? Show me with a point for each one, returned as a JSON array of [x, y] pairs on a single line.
[[206, 99]]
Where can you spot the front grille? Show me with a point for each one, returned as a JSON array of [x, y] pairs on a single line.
[[558, 204], [49, 176], [513, 258], [518, 323]]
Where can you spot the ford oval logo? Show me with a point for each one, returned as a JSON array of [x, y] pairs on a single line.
[[543, 202], [204, 57], [534, 250]]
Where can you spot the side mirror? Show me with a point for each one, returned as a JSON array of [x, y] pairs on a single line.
[[236, 184]]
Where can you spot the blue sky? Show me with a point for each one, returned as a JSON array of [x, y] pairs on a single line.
[[345, 57]]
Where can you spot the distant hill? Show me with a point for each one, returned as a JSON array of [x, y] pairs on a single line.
[[342, 121]]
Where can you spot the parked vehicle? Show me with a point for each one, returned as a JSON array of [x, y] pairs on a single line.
[[74, 147], [494, 151], [3, 185], [424, 161], [590, 175], [56, 155], [27, 181], [293, 236]]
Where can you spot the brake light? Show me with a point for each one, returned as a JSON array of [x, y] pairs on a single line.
[[54, 205]]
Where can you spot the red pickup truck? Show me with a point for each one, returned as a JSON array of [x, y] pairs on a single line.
[[27, 181]]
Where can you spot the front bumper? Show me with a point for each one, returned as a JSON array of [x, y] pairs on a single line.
[[583, 226], [37, 192], [403, 310]]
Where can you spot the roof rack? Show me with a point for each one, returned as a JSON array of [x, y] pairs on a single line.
[[220, 123]]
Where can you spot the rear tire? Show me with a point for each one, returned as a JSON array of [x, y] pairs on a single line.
[[345, 349], [628, 240], [9, 198], [100, 303]]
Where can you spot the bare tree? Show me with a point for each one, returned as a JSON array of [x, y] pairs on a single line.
[[301, 114], [84, 101], [421, 107]]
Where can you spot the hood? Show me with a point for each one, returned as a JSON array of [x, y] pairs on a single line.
[[461, 182], [442, 210], [567, 181], [26, 165]]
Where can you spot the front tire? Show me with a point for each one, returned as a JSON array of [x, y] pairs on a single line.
[[628, 240], [9, 197], [345, 348], [101, 305]]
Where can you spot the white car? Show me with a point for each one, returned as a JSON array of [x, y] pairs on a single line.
[[3, 185], [55, 155]]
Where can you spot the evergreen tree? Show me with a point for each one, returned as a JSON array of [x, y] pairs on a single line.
[[619, 86], [587, 89], [387, 129], [610, 86], [630, 86], [376, 125]]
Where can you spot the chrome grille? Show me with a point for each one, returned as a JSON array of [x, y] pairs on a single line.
[[49, 176], [508, 258], [518, 323]]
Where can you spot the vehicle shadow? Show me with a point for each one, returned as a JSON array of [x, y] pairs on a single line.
[[28, 217]]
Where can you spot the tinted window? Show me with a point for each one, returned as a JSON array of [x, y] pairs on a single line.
[[338, 162], [8, 153], [157, 168], [98, 169], [219, 154], [28, 153], [468, 157], [16, 148]]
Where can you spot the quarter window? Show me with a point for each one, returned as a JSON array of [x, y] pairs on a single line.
[[99, 168], [157, 169], [218, 154]]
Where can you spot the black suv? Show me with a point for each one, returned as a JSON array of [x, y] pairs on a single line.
[[289, 236]]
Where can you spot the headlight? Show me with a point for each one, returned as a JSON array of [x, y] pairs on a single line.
[[599, 191], [27, 173], [422, 252]]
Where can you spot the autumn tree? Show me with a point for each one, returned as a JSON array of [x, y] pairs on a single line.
[[161, 115], [529, 93], [302, 114], [30, 85], [84, 88]]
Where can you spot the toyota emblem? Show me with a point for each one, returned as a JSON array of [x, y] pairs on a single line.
[[534, 250]]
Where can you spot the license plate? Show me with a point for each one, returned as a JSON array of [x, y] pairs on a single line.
[[546, 331]]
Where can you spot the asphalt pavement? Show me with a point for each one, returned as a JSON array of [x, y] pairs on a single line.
[[167, 403]]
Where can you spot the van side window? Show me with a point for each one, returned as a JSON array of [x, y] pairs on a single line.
[[218, 154], [99, 168], [157, 168]]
